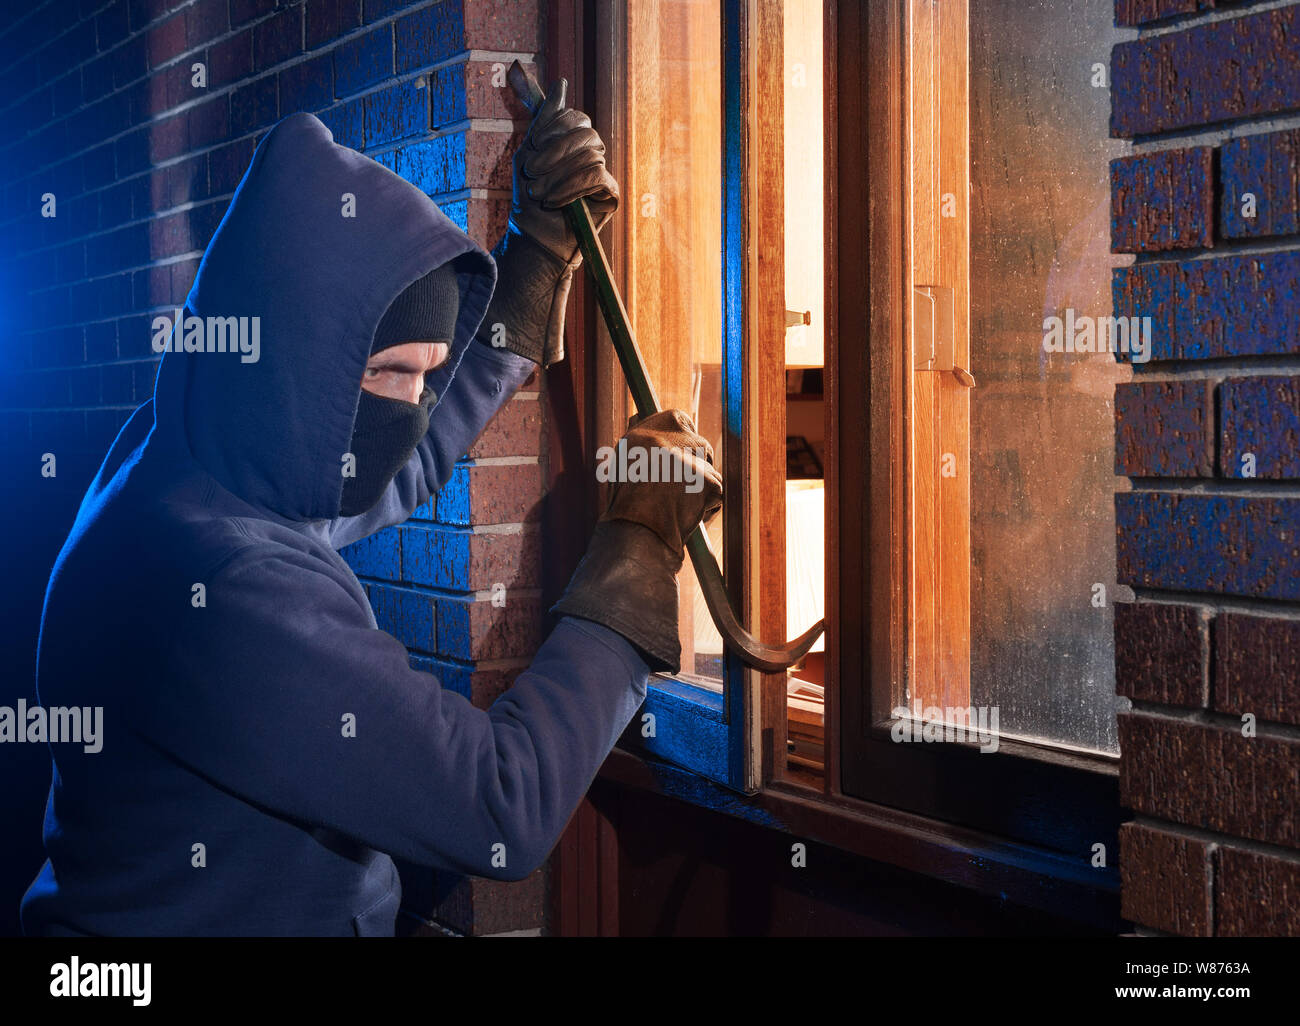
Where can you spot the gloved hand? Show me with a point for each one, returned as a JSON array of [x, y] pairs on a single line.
[[562, 158], [628, 578]]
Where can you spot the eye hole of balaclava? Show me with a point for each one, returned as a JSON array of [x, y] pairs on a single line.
[[386, 430]]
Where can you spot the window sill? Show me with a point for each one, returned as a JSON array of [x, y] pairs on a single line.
[[983, 863]]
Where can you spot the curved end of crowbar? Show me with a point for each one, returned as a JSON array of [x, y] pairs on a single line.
[[750, 651]]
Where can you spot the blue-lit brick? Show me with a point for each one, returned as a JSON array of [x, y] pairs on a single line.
[[406, 615], [1231, 544], [436, 166], [346, 123], [453, 502], [438, 557], [1260, 417], [1268, 168], [451, 676], [429, 36], [1205, 309], [308, 85], [1162, 200], [379, 555], [397, 112], [363, 61]]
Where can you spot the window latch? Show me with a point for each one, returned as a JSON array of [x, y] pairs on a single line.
[[934, 330]]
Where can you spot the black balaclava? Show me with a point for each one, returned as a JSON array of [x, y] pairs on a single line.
[[386, 431]]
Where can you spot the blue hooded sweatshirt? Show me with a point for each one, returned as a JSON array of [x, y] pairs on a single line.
[[265, 747]]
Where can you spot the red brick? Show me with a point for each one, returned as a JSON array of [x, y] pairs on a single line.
[[486, 686], [231, 59], [111, 25], [1257, 666], [511, 27], [307, 85], [476, 906], [1165, 428], [516, 430], [486, 220], [460, 560], [329, 19], [1211, 777], [1140, 12], [226, 166], [1256, 895], [183, 274], [491, 494], [1199, 541], [1268, 167], [1165, 880], [1162, 653], [204, 21], [242, 11], [169, 137], [172, 86], [1162, 201], [1221, 71], [166, 40], [363, 61], [277, 39], [178, 183], [1259, 416], [152, 286], [488, 159], [475, 630], [483, 99], [209, 122], [253, 106], [511, 560], [505, 494], [431, 35]]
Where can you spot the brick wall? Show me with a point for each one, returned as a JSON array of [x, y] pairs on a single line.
[[1209, 433], [106, 111]]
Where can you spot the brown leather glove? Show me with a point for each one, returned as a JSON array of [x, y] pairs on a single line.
[[665, 484], [561, 159]]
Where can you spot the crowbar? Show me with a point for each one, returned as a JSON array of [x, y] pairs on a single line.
[[751, 651]]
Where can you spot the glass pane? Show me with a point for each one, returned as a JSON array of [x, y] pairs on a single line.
[[805, 337], [671, 213], [1042, 423]]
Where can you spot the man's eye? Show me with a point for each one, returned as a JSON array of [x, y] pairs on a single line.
[[372, 372]]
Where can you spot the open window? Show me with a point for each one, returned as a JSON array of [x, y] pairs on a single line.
[[844, 230], [698, 97], [985, 695]]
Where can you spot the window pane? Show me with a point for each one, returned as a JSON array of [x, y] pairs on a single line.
[[1042, 423], [671, 212], [805, 339]]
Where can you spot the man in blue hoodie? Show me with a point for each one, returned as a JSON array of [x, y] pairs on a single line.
[[266, 748]]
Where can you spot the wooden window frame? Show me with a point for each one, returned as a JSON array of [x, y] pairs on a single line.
[[722, 737], [1057, 801]]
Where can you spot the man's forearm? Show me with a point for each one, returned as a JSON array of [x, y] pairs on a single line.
[[485, 381]]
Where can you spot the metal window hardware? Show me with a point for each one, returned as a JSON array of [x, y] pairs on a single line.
[[934, 332]]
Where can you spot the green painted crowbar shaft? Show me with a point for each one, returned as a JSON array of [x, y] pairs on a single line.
[[751, 651]]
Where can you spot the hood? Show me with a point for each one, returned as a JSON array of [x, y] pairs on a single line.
[[317, 242]]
